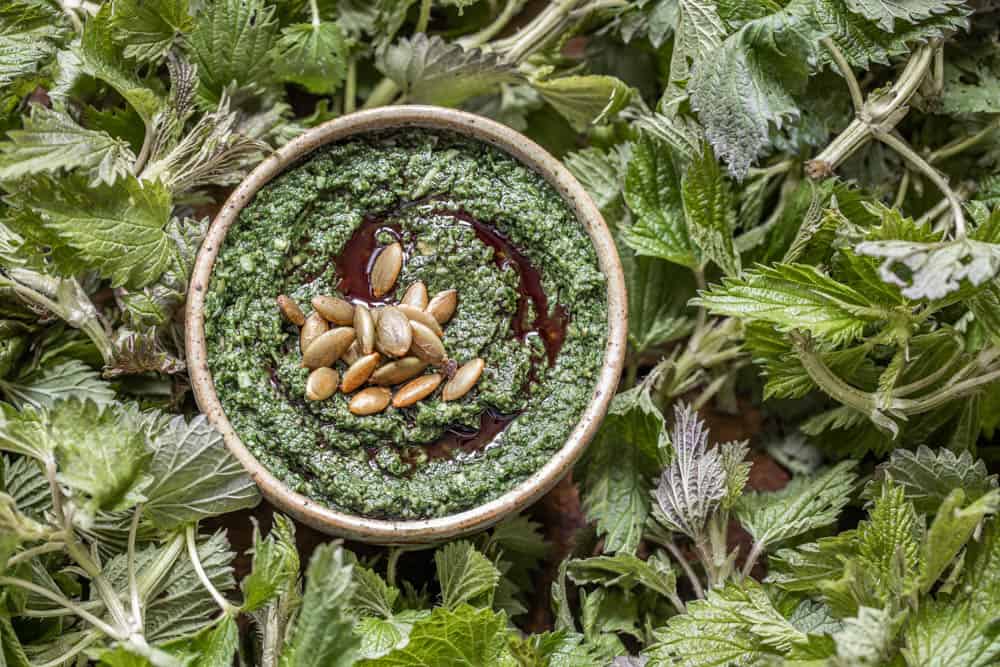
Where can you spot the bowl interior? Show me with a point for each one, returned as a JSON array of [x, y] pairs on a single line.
[[401, 532]]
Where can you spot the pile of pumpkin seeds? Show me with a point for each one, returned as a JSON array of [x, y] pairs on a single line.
[[386, 349]]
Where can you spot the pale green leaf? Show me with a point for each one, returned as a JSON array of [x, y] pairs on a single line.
[[23, 431], [322, 635], [20, 479], [465, 575], [432, 71], [867, 639], [50, 141], [805, 504], [699, 36], [451, 638], [313, 55], [710, 211], [585, 100], [625, 571], [381, 636], [951, 529], [275, 566], [794, 296], [806, 567], [48, 384], [215, 646], [372, 595], [194, 476]]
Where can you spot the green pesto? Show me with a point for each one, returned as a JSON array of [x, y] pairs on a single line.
[[284, 241]]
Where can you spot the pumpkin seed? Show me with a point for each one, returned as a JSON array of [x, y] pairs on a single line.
[[465, 378], [370, 401], [314, 327], [328, 347], [334, 310], [416, 295], [353, 353], [426, 344], [416, 390], [322, 384], [398, 371], [393, 334], [364, 328], [443, 305], [386, 269], [416, 315], [290, 310], [359, 372]]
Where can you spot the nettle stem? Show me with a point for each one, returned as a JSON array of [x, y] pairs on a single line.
[[192, 546], [857, 97]]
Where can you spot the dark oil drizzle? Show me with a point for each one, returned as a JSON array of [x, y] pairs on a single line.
[[354, 263], [458, 442]]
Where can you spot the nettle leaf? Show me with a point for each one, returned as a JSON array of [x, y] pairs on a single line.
[[372, 595], [928, 477], [625, 571], [101, 58], [29, 37], [653, 194], [710, 211], [432, 71], [148, 28], [101, 453], [585, 100], [699, 37], [119, 231], [601, 172], [275, 566], [794, 296], [887, 12], [889, 543], [806, 567], [323, 636], [733, 455], [23, 432], [46, 385], [734, 624], [194, 476], [805, 504], [465, 575], [313, 55], [951, 529], [693, 486], [381, 636], [619, 468], [20, 479], [230, 43], [750, 84], [971, 79], [867, 639], [451, 638], [656, 316], [50, 141]]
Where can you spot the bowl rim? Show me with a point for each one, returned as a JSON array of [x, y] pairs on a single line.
[[527, 152]]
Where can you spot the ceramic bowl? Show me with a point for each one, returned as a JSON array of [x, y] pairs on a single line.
[[381, 531]]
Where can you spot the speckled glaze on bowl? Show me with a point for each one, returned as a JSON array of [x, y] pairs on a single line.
[[428, 530]]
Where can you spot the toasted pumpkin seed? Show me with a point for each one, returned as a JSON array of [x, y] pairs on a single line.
[[314, 327], [393, 334], [464, 379], [290, 310], [370, 401], [386, 269], [443, 305], [398, 371], [334, 310], [426, 344], [353, 352], [359, 372], [416, 295], [364, 328], [416, 315], [416, 390], [322, 384], [328, 347]]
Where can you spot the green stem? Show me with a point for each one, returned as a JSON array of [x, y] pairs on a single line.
[[384, 92], [669, 545], [424, 17], [28, 554], [955, 147], [827, 380], [755, 551], [350, 86], [477, 39], [192, 546], [391, 562], [133, 585], [314, 11], [631, 373], [63, 601], [904, 186], [857, 98]]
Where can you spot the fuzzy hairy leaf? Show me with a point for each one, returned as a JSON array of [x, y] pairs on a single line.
[[692, 487], [148, 28], [451, 638], [699, 37], [805, 504], [50, 141], [794, 296], [807, 566], [749, 86], [23, 52], [866, 639], [430, 70], [653, 194], [466, 576], [275, 565], [230, 43], [119, 231], [323, 635], [710, 211], [585, 100], [889, 543], [927, 476], [313, 55], [619, 468], [46, 385], [734, 624], [194, 476], [20, 479]]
